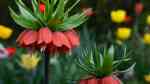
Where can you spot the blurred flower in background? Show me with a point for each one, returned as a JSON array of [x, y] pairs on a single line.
[[88, 11], [123, 33], [3, 52], [147, 78], [11, 51], [5, 32], [29, 61], [138, 8], [118, 16], [6, 52], [148, 19], [146, 38]]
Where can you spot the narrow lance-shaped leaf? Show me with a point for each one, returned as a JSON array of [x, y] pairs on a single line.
[[111, 51], [48, 10], [25, 12], [71, 22], [23, 21], [107, 64], [69, 9], [59, 12], [35, 6]]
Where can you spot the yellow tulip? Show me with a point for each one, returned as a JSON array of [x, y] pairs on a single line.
[[146, 38], [123, 33], [5, 32], [29, 61], [118, 16], [147, 78], [148, 20]]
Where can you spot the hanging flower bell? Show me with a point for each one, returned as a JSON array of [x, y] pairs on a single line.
[[27, 38], [52, 41], [105, 80]]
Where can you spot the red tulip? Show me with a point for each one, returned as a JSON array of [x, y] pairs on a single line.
[[44, 36], [42, 7], [88, 11], [138, 8], [10, 51]]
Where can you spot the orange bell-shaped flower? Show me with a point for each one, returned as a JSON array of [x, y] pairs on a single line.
[[73, 38], [44, 37], [27, 38]]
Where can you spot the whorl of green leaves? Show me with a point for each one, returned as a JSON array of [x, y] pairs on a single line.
[[56, 15], [100, 64]]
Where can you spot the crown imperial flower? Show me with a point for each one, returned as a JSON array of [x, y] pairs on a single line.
[[52, 30], [100, 65]]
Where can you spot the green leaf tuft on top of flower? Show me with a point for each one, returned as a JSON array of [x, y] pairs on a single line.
[[47, 13], [101, 62]]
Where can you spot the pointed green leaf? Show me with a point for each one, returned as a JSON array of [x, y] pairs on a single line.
[[71, 22], [69, 9], [35, 6], [25, 12], [59, 12], [111, 51], [107, 64], [23, 21]]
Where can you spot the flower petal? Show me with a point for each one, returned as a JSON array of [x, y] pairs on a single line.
[[83, 81], [30, 38], [93, 81], [73, 38], [59, 39], [20, 37], [44, 36], [109, 80]]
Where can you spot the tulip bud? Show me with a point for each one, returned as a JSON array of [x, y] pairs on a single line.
[[10, 51], [88, 11], [138, 8], [42, 7]]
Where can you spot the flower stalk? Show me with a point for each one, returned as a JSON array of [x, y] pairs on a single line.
[[46, 67]]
